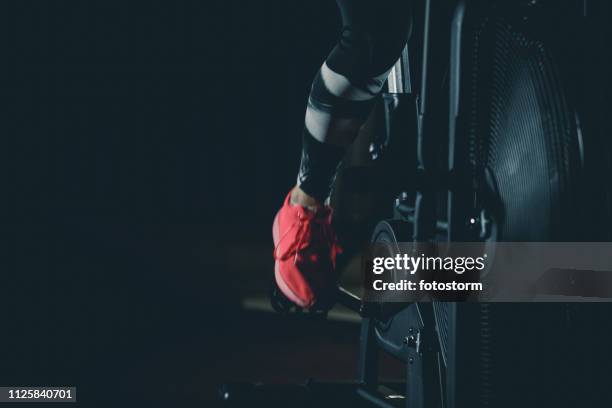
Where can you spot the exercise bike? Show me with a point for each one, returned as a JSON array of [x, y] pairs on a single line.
[[484, 136]]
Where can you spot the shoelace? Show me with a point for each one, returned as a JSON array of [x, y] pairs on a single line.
[[304, 237]]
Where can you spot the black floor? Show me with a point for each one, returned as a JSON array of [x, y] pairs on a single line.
[[139, 313]]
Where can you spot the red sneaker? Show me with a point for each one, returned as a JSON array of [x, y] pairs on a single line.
[[305, 249]]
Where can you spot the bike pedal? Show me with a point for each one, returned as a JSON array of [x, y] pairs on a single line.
[[281, 303]]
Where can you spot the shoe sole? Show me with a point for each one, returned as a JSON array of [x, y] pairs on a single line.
[[277, 275]]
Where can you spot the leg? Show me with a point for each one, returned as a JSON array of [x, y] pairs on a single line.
[[344, 90], [342, 95]]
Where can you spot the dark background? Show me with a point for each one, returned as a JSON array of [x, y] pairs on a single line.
[[145, 148], [150, 109]]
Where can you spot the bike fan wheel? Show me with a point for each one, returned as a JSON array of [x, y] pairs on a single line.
[[522, 141]]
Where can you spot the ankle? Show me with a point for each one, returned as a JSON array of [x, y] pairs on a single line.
[[299, 197]]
